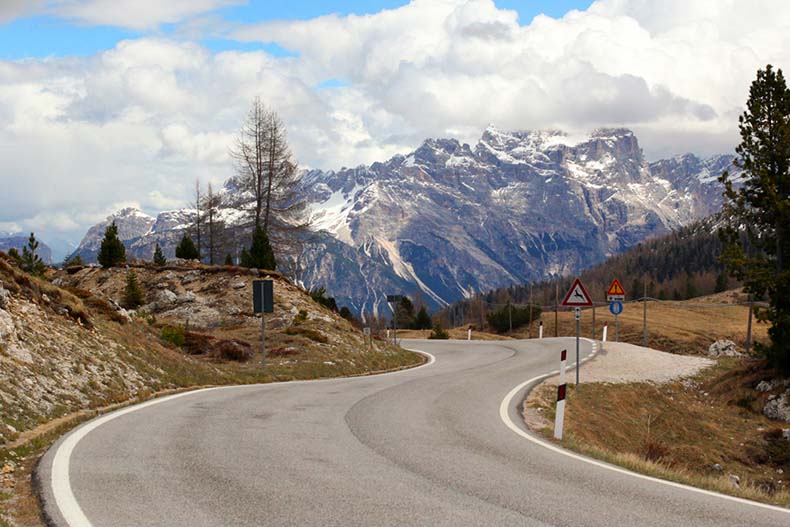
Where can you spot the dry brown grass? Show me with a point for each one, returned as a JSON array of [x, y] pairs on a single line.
[[455, 333], [680, 430], [678, 327]]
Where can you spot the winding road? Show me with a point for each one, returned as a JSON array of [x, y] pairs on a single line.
[[430, 446]]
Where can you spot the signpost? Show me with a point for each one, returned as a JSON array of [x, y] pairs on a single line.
[[263, 302], [368, 337], [577, 298], [615, 295], [395, 299]]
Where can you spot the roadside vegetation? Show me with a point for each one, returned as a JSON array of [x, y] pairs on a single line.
[[69, 351], [712, 430]]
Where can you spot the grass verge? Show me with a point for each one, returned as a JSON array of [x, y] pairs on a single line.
[[700, 431]]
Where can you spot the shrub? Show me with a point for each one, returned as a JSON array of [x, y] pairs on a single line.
[[132, 294], [235, 350], [175, 335], [438, 332], [319, 295]]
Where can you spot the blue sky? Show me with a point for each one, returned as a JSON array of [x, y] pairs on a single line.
[[48, 36]]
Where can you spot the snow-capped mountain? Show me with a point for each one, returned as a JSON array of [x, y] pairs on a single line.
[[449, 220]]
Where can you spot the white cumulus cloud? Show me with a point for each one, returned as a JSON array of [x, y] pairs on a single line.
[[141, 121]]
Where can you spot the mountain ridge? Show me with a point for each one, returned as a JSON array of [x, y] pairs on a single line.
[[448, 220]]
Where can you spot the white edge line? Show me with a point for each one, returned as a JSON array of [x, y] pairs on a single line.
[[505, 416], [65, 500]]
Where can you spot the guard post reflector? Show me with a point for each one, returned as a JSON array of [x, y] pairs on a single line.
[[559, 418]]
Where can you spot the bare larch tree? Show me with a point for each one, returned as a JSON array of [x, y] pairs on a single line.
[[266, 169]]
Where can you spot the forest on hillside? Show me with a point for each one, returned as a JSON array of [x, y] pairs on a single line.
[[681, 265]]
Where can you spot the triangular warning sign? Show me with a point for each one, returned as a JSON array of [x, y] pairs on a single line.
[[577, 296], [616, 289]]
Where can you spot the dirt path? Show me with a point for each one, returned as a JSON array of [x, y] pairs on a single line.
[[624, 363]]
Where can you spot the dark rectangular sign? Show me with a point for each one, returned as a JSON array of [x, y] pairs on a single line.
[[263, 296]]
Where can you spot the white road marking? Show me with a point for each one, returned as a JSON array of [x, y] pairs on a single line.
[[61, 484], [505, 416]]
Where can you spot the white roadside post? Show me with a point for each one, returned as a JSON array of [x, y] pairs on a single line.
[[469, 334], [559, 415], [540, 330], [605, 331]]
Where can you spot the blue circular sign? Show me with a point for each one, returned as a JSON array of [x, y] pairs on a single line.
[[616, 308]]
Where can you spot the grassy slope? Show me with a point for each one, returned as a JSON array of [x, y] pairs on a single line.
[[74, 356], [680, 430]]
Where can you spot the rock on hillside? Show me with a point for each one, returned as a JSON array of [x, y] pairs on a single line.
[[213, 304], [60, 353]]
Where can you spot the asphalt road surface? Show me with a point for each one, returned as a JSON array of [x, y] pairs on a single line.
[[420, 447]]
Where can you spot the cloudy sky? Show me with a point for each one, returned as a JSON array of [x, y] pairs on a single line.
[[106, 103]]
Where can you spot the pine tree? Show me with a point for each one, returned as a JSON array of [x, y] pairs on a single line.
[[112, 251], [422, 320], [260, 255], [759, 208], [159, 257], [228, 259], [74, 261], [722, 283], [186, 249], [438, 332], [30, 261], [132, 293]]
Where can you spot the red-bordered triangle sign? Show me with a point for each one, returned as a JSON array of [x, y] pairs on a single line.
[[616, 289], [577, 296]]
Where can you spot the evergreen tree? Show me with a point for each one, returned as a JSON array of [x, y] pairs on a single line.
[[14, 254], [132, 293], [346, 313], [30, 261], [228, 259], [112, 251], [260, 255], [159, 257], [74, 261], [722, 283], [760, 208], [186, 249], [422, 320], [438, 332], [691, 289], [405, 312]]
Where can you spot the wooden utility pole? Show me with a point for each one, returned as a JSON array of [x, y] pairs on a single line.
[[530, 312]]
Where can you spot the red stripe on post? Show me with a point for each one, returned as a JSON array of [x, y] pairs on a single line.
[[564, 354], [561, 392]]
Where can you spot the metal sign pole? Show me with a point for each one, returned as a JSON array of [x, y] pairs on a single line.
[[578, 320], [616, 328], [263, 334]]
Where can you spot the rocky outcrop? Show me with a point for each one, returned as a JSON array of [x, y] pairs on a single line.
[[723, 348], [778, 407]]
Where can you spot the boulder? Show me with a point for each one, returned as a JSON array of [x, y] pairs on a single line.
[[5, 296], [7, 328], [165, 297], [778, 407], [723, 348], [187, 298]]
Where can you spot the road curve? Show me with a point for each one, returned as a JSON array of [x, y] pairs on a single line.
[[420, 447]]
